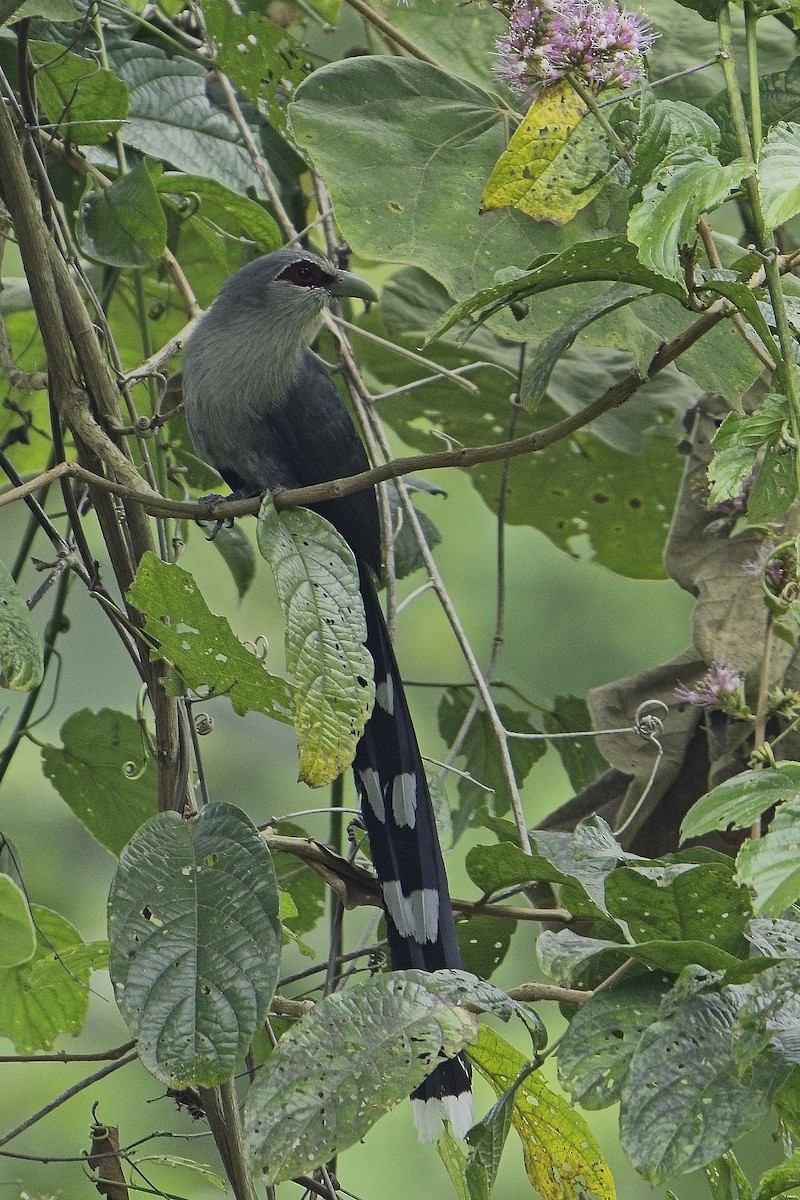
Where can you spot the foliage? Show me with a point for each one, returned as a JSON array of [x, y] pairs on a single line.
[[592, 305]]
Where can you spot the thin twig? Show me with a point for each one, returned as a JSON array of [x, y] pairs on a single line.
[[62, 1098], [390, 32]]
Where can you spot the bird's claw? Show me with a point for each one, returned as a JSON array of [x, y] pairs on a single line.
[[210, 502]]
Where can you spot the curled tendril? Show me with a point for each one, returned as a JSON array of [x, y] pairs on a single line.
[[260, 647], [645, 721], [133, 771], [203, 724], [648, 726]]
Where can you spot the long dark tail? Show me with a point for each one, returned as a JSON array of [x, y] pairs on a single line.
[[398, 815]]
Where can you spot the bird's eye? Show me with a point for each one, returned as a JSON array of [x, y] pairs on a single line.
[[306, 274]]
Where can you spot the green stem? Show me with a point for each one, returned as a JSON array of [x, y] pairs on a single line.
[[590, 100], [751, 26], [785, 370]]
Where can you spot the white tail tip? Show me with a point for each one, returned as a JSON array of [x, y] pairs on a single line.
[[458, 1110]]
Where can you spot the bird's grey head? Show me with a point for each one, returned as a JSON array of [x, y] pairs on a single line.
[[287, 290], [245, 354]]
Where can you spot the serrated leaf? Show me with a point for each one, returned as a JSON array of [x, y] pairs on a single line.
[[778, 173], [770, 866], [775, 485], [683, 1103], [737, 443], [105, 774], [84, 102], [547, 170], [597, 1047], [343, 1065], [686, 185], [669, 126], [562, 1158], [123, 225], [317, 579], [770, 1016], [567, 957], [493, 868], [306, 888], [195, 942], [33, 1017], [17, 932], [201, 645], [21, 653], [782, 1181], [737, 802], [775, 937]]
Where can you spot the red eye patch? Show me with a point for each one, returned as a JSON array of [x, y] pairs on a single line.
[[306, 274]]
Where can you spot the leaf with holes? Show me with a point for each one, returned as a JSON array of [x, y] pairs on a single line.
[[317, 580], [484, 943], [202, 646], [195, 942], [596, 1050], [555, 161], [105, 774], [258, 55], [682, 903], [683, 1102], [495, 867], [345, 1064], [562, 1158]]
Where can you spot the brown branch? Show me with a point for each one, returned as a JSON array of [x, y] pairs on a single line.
[[463, 457], [64, 1057], [390, 32], [538, 993], [355, 886]]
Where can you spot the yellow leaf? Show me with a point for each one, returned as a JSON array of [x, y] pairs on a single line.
[[554, 163], [562, 1158]]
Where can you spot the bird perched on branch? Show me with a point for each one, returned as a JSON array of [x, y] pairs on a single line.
[[262, 408]]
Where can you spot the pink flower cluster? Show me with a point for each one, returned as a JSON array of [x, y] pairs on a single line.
[[602, 44], [720, 684]]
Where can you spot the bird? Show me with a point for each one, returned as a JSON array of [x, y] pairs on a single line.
[[261, 406]]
